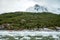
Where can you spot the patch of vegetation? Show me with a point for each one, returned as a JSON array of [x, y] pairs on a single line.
[[27, 20]]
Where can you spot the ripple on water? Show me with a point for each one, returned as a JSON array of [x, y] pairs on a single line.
[[29, 35]]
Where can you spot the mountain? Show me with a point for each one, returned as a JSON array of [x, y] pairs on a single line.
[[38, 8]]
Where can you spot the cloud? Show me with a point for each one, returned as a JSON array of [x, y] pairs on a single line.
[[49, 3], [15, 5], [22, 5]]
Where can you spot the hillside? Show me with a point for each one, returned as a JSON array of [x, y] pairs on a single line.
[[26, 20]]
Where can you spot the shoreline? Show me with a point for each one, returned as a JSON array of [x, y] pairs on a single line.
[[30, 30]]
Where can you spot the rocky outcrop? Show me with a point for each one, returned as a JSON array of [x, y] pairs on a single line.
[[4, 26]]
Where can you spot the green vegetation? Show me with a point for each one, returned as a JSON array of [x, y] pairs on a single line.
[[27, 20]]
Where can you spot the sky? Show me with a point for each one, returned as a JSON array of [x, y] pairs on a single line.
[[22, 5], [49, 3]]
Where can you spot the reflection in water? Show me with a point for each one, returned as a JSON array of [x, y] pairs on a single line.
[[29, 35]]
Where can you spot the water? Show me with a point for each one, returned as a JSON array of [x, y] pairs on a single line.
[[29, 35]]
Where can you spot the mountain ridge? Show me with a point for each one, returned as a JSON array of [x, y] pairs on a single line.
[[38, 8]]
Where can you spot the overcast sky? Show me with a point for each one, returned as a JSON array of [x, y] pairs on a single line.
[[22, 5], [51, 3]]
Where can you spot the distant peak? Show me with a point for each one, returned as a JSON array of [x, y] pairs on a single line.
[[39, 8], [36, 5]]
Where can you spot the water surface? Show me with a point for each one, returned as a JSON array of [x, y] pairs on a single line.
[[29, 35]]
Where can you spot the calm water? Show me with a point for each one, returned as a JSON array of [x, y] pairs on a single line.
[[29, 35]]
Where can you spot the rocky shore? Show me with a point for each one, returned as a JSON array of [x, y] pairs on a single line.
[[35, 29], [9, 27]]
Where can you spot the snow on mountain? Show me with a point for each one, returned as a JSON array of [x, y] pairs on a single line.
[[38, 8]]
